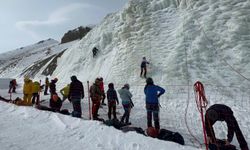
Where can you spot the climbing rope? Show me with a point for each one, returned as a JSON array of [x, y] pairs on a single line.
[[201, 103], [200, 98], [188, 99]]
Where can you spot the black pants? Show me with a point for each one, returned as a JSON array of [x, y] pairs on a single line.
[[112, 108], [46, 90], [35, 98], [103, 97], [126, 114], [12, 89], [239, 135], [144, 69], [77, 109], [153, 109]]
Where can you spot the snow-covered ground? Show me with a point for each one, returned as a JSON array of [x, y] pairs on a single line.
[[27, 128], [194, 40]]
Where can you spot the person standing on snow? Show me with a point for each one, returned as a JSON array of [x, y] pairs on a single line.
[[65, 92], [76, 93], [12, 86], [27, 91], [220, 112], [153, 92], [35, 92], [52, 87], [46, 86], [127, 103], [102, 90], [96, 97], [144, 67], [112, 100]]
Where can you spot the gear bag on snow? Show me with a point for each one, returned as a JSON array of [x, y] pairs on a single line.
[[220, 145], [136, 129], [115, 123], [167, 135]]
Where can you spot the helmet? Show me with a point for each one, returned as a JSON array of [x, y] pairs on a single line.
[[73, 78], [126, 86], [111, 85], [55, 79], [97, 81], [149, 81]]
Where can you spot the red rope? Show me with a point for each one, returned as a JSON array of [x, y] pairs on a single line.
[[201, 103]]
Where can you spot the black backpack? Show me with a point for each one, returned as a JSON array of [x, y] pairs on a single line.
[[220, 145], [171, 136]]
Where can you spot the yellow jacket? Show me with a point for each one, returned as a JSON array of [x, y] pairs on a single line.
[[27, 87], [36, 87], [65, 91]]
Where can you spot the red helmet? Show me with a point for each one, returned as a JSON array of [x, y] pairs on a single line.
[[152, 132]]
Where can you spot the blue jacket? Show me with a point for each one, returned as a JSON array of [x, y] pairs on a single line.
[[152, 93]]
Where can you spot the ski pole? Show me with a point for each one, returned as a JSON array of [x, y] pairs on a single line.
[[89, 100]]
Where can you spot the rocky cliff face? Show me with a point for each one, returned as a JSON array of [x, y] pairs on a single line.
[[75, 34]]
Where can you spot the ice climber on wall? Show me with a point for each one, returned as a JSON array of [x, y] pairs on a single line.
[[144, 67]]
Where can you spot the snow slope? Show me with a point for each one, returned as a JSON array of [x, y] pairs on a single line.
[[16, 63], [29, 129]]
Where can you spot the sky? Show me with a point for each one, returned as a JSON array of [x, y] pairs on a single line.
[[25, 22]]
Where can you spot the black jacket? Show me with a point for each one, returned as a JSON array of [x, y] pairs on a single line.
[[112, 95], [52, 87], [76, 90], [223, 113]]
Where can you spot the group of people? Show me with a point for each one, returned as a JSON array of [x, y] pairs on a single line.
[[74, 92]]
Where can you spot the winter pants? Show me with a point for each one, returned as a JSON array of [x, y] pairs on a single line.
[[112, 108], [95, 108], [239, 135], [12, 89], [103, 98], [144, 69], [35, 98], [77, 110], [126, 114], [46, 90], [153, 109], [27, 98]]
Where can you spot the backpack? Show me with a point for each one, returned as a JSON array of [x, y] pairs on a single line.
[[220, 145], [167, 135], [115, 123], [136, 129]]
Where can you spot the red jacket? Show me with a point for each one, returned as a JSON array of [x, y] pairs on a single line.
[[102, 86]]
